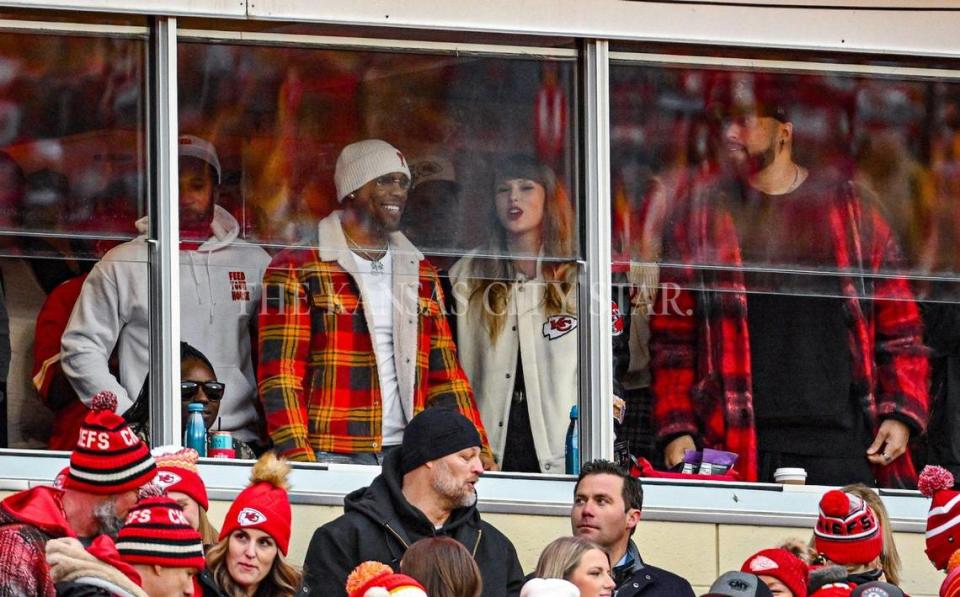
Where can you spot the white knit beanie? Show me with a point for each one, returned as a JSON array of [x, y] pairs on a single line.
[[363, 161], [549, 587]]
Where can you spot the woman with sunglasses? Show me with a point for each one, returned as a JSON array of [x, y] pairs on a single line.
[[198, 383]]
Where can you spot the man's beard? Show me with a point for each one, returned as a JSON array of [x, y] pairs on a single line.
[[457, 495], [108, 521]]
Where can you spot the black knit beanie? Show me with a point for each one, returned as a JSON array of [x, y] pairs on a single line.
[[435, 433]]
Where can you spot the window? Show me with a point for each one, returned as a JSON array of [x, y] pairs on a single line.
[[72, 160], [472, 158], [783, 230]]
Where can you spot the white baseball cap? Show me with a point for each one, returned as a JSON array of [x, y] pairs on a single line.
[[195, 147]]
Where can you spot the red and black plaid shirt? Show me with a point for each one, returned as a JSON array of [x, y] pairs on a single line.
[[318, 371], [700, 345]]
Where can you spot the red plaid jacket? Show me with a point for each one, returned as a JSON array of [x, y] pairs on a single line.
[[700, 345], [318, 372]]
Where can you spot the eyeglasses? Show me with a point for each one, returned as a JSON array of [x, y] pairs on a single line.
[[390, 180], [213, 390]]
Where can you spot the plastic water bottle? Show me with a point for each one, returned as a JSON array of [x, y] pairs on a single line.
[[195, 435], [573, 443]]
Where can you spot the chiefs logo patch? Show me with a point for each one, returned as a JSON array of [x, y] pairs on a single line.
[[165, 479], [616, 319], [761, 564], [559, 326], [250, 516]]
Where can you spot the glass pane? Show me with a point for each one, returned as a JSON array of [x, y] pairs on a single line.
[[438, 254], [776, 232], [72, 129]]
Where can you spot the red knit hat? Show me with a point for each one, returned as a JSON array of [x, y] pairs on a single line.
[[109, 457], [264, 504], [781, 565], [177, 471], [157, 532], [847, 530], [836, 589], [943, 519], [376, 579]]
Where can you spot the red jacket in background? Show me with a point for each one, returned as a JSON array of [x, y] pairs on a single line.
[[28, 519]]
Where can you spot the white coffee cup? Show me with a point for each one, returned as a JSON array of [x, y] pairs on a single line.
[[790, 476]]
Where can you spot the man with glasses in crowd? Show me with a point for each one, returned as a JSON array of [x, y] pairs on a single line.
[[353, 338], [219, 294]]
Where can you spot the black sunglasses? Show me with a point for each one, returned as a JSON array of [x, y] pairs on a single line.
[[212, 389]]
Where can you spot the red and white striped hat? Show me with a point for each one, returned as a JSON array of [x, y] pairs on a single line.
[[943, 519], [157, 532], [847, 530], [109, 457]]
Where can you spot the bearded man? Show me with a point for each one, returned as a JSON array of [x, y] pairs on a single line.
[[427, 488]]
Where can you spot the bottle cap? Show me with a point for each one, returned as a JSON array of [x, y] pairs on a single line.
[[575, 411], [195, 407]]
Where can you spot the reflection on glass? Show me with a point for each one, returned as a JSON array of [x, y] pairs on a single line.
[[71, 185], [279, 118], [800, 345]]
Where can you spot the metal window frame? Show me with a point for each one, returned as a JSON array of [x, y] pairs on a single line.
[[596, 362], [164, 240]]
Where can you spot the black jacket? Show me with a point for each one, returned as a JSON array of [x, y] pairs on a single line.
[[379, 524], [636, 579]]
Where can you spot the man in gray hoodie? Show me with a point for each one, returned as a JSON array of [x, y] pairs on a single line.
[[220, 278]]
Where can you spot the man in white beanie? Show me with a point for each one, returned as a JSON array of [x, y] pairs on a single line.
[[220, 278], [353, 337]]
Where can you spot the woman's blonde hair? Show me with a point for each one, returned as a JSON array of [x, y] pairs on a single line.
[[282, 580], [562, 556], [208, 533], [889, 556], [497, 273]]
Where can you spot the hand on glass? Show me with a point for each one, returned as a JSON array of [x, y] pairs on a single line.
[[673, 453], [890, 443]]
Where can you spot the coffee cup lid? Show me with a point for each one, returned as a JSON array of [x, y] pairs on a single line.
[[790, 472]]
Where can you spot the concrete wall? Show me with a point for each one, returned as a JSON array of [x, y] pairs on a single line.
[[696, 551]]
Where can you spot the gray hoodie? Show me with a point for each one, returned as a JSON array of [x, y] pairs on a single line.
[[220, 289]]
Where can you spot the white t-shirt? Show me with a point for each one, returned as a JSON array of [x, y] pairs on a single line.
[[375, 290]]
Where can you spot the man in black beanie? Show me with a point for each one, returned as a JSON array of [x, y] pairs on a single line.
[[426, 488]]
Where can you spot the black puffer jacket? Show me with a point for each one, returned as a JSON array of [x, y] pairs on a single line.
[[379, 524]]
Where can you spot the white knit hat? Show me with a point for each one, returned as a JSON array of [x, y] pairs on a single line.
[[549, 587], [201, 149], [363, 161]]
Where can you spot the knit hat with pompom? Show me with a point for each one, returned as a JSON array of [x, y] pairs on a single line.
[[847, 530], [943, 519], [109, 457], [376, 579], [177, 470], [264, 505]]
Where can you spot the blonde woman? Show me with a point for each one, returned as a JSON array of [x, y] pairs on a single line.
[[580, 562], [889, 557], [515, 304]]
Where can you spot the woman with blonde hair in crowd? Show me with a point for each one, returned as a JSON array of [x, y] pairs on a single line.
[[516, 312], [889, 557], [444, 567], [575, 560], [249, 559]]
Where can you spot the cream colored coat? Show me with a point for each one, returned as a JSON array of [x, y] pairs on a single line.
[[548, 347]]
